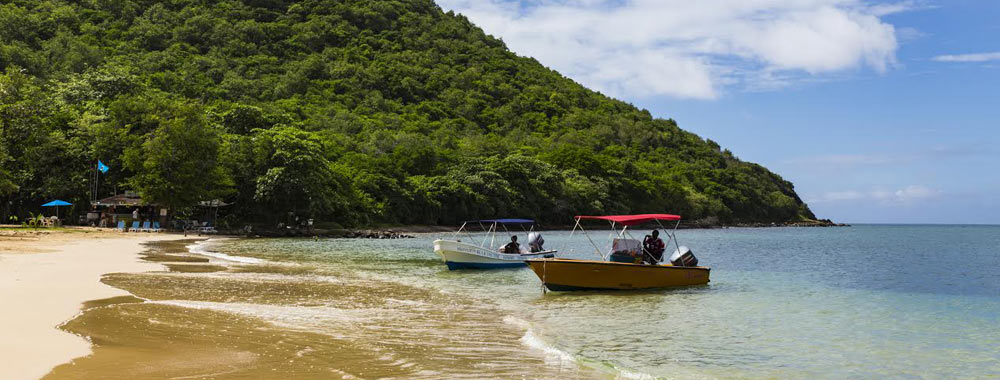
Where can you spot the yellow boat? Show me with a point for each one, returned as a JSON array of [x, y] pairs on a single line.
[[629, 265], [572, 274]]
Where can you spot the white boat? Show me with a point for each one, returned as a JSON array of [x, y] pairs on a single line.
[[464, 255], [458, 255]]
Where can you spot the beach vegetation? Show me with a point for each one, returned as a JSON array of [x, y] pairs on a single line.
[[353, 111], [177, 162]]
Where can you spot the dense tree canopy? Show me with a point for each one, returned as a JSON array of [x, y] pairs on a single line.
[[352, 111], [178, 163]]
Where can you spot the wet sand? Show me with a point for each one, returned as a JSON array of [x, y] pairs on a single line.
[[141, 306], [46, 277], [222, 319]]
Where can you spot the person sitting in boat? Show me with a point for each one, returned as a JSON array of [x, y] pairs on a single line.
[[652, 248], [512, 247]]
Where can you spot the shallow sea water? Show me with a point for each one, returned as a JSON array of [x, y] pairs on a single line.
[[870, 301]]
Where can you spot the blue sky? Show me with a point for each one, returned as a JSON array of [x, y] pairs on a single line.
[[879, 112]]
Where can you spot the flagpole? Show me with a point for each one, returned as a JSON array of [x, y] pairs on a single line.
[[97, 179]]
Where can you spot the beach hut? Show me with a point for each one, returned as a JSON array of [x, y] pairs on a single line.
[[120, 206], [211, 215]]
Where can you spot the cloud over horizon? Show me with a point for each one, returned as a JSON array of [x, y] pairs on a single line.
[[974, 57], [906, 195], [932, 153], [692, 49]]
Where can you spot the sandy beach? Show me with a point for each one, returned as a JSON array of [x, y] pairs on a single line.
[[45, 277]]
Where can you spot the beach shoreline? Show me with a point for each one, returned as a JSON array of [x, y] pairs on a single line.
[[405, 231], [45, 278]]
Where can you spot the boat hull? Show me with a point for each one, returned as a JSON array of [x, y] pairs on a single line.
[[458, 255], [569, 274]]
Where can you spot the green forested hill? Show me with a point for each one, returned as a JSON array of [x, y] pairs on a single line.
[[354, 111]]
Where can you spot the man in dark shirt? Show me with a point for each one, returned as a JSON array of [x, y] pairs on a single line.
[[512, 247], [652, 249]]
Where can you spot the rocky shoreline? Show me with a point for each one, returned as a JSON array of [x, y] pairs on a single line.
[[804, 223]]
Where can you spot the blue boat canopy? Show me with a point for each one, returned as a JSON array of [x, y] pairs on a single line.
[[504, 221], [57, 203]]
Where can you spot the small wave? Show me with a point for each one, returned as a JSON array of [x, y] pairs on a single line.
[[404, 302], [623, 373], [254, 277], [561, 357], [293, 317], [343, 324], [556, 356], [553, 355], [200, 248], [305, 351]]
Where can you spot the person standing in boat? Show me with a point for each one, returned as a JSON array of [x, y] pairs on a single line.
[[513, 246], [652, 248]]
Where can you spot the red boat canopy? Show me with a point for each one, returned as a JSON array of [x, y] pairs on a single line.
[[631, 220]]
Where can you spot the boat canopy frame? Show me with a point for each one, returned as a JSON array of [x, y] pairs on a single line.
[[492, 229], [627, 221]]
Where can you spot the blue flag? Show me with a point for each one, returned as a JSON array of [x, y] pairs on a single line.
[[102, 167]]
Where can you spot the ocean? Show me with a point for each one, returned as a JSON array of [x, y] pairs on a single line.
[[868, 301]]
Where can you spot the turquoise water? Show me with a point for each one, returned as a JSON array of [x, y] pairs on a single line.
[[869, 301]]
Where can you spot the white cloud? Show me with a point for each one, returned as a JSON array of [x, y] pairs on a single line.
[[906, 195], [914, 193], [898, 7], [933, 153], [852, 160], [975, 57], [691, 49], [907, 34]]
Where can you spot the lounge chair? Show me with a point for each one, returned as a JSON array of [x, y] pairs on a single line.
[[135, 226], [121, 226], [145, 226], [156, 227]]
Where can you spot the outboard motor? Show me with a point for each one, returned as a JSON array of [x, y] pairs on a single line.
[[683, 257], [535, 242]]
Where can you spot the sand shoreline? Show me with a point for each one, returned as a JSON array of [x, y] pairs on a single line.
[[44, 280]]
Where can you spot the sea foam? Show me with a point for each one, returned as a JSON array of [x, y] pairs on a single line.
[[556, 356], [201, 248], [531, 340]]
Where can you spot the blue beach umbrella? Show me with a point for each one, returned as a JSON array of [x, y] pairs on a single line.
[[56, 203]]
